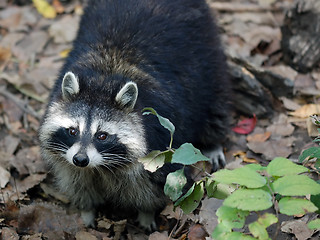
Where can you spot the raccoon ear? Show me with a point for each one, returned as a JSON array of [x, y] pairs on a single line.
[[128, 95], [70, 85]]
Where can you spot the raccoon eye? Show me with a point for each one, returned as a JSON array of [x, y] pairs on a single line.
[[102, 136], [73, 131]]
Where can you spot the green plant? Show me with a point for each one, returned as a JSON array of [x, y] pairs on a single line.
[[280, 186], [313, 152]]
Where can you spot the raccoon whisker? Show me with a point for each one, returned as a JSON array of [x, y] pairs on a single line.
[[57, 149], [110, 153], [57, 146], [115, 151], [61, 144], [114, 156], [108, 167], [101, 172], [117, 159]]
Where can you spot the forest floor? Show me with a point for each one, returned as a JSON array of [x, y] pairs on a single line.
[[32, 50]]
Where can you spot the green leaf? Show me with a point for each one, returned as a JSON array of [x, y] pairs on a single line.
[[255, 167], [237, 236], [168, 156], [153, 160], [187, 154], [295, 185], [243, 176], [317, 164], [296, 206], [163, 121], [188, 193], [223, 191], [267, 219], [249, 199], [232, 217], [223, 232], [211, 186], [258, 228], [174, 184], [315, 199], [313, 152], [314, 224], [282, 166], [191, 202], [220, 231], [258, 231]]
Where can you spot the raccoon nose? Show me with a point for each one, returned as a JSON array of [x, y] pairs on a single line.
[[80, 160]]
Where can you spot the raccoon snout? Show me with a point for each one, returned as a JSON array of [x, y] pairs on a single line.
[[80, 160]]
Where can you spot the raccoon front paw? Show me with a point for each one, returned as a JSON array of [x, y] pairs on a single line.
[[216, 157], [146, 221], [88, 218]]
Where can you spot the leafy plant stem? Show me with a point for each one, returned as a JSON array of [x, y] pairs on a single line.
[[171, 140], [276, 209], [202, 170]]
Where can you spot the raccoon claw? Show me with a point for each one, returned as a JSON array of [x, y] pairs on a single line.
[[217, 158], [146, 221], [88, 218]]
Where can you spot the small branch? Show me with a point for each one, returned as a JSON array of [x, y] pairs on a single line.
[[24, 107]]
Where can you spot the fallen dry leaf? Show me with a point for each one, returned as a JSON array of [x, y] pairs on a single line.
[[29, 182], [197, 232], [28, 161], [159, 236], [44, 8], [297, 227], [82, 235], [259, 137], [5, 55], [4, 177], [58, 6], [273, 148], [30, 45], [283, 71], [207, 214], [312, 128], [246, 126], [9, 233], [306, 110], [282, 129], [50, 190], [64, 30], [118, 228], [243, 157], [9, 144], [47, 218], [289, 104]]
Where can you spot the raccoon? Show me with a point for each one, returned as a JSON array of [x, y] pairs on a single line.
[[131, 54]]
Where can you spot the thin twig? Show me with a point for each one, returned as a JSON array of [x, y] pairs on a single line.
[[175, 227], [24, 107]]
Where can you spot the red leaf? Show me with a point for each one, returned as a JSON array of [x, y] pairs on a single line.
[[246, 126]]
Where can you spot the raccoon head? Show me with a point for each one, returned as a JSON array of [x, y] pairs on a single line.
[[87, 135]]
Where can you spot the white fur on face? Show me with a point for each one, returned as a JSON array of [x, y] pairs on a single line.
[[72, 151], [95, 158]]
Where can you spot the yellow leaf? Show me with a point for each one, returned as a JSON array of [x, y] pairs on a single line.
[[44, 8], [64, 53], [306, 110]]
